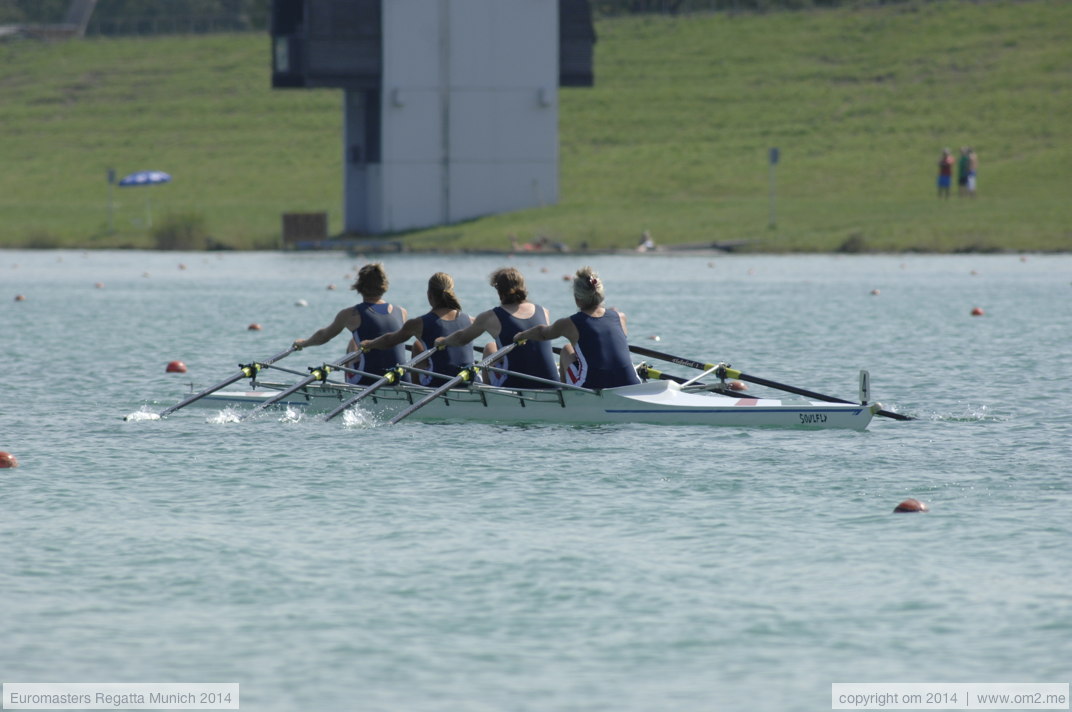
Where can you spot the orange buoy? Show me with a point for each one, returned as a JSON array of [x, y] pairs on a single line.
[[655, 337], [8, 460], [875, 292], [567, 277], [977, 311], [99, 285], [911, 505], [176, 367], [254, 327], [738, 386], [20, 297], [331, 287]]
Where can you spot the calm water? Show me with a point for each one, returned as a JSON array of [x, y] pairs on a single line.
[[495, 567]]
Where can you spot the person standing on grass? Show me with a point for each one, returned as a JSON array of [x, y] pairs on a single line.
[[973, 166], [945, 173], [962, 172]]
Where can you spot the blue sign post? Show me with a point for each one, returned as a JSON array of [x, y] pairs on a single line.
[[773, 189], [111, 203]]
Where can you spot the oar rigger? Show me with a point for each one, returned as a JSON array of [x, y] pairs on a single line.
[[321, 372], [250, 370]]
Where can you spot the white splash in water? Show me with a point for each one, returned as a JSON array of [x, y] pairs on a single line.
[[290, 416], [144, 414], [357, 418], [227, 415]]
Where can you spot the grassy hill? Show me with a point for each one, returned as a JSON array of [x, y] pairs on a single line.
[[673, 138]]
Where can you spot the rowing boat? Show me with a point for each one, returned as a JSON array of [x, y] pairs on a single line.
[[662, 402]]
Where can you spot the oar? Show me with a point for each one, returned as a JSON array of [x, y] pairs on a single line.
[[247, 371], [316, 374], [391, 376], [467, 374], [537, 379], [727, 372], [646, 371]]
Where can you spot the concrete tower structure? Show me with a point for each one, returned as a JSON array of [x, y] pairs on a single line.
[[451, 106]]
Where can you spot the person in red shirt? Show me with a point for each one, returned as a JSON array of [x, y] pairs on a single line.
[[945, 173]]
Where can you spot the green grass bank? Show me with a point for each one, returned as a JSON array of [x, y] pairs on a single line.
[[673, 138]]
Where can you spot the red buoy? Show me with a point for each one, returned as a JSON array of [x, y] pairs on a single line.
[[875, 292], [20, 297], [911, 505], [977, 311], [8, 460], [254, 327], [176, 367]]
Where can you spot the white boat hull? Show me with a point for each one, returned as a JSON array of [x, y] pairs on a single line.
[[655, 402]]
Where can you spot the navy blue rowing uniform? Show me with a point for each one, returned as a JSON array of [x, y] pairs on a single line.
[[535, 358], [452, 359], [376, 321], [603, 359]]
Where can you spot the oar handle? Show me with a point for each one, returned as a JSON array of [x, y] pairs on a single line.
[[643, 351]]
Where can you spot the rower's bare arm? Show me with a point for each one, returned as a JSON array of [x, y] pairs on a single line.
[[329, 332], [561, 328], [485, 321]]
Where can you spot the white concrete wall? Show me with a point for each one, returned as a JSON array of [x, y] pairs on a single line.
[[469, 112]]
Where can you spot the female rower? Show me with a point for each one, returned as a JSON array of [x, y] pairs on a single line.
[[366, 320], [445, 318], [601, 350], [514, 314]]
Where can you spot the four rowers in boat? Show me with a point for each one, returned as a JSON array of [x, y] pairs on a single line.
[[596, 357]]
